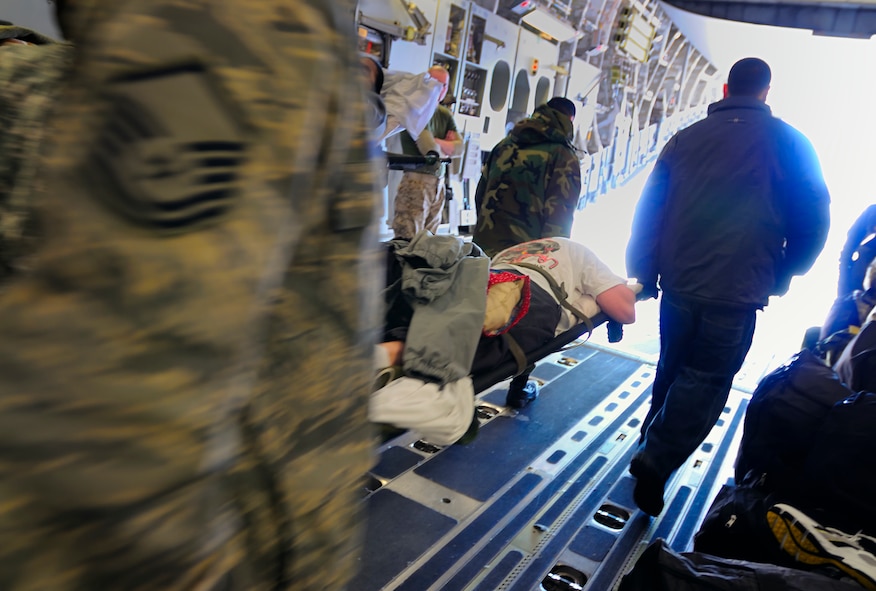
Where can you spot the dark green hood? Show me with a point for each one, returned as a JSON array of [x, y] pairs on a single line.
[[546, 125]]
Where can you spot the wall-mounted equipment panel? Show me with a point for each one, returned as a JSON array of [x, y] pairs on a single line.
[[449, 45], [404, 56], [497, 58], [534, 74]]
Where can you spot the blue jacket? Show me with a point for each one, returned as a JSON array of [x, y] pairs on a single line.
[[735, 206]]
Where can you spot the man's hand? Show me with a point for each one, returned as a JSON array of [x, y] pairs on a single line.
[[450, 144], [649, 290]]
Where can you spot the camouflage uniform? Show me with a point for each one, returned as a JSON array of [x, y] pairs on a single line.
[[207, 171], [29, 80], [530, 184], [419, 200]]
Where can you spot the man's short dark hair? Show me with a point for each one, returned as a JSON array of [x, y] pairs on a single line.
[[748, 77], [377, 69], [378, 82], [563, 105]]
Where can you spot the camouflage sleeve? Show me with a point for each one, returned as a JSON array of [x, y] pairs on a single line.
[[207, 172], [563, 188], [29, 80], [481, 189], [12, 96]]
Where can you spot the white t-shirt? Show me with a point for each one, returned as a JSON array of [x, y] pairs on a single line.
[[572, 265], [410, 99]]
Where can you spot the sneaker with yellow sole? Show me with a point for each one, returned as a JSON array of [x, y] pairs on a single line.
[[813, 544]]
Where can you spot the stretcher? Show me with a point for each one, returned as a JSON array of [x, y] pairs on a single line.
[[541, 498], [520, 367], [413, 163], [519, 370]]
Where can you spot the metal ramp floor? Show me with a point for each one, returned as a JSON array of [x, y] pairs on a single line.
[[542, 498]]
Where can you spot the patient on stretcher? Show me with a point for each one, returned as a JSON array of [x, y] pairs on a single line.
[[483, 312]]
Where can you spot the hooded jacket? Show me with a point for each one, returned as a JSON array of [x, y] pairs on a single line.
[[530, 183], [735, 206]]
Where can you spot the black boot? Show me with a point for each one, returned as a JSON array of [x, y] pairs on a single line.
[[520, 395]]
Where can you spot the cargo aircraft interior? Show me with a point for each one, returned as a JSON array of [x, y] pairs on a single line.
[[542, 499]]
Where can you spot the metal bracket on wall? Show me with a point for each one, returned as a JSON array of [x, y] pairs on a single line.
[[417, 33], [497, 41]]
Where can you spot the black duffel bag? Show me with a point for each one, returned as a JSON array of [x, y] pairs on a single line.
[[785, 412], [661, 569]]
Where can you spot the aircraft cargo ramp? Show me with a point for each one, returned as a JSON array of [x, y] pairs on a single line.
[[542, 498]]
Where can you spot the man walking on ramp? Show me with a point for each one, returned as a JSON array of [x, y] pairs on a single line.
[[735, 206]]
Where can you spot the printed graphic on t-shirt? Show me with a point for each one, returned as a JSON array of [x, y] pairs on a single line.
[[540, 250]]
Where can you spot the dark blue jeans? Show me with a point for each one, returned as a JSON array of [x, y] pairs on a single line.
[[702, 346]]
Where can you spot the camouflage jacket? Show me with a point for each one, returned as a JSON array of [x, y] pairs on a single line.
[[29, 79], [530, 183], [186, 361]]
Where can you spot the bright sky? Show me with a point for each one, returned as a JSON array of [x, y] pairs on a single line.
[[824, 87]]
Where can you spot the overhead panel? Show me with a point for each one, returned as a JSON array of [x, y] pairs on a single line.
[[838, 18], [549, 25], [634, 33]]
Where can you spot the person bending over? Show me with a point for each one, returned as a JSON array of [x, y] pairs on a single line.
[[531, 181]]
